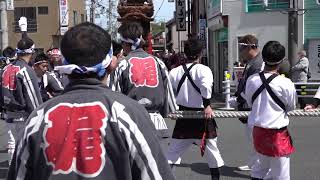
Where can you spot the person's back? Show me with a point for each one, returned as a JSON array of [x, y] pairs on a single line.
[[89, 132], [20, 87], [188, 95], [142, 76], [264, 105], [299, 71], [271, 97]]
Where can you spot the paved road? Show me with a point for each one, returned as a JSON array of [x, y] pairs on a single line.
[[305, 163]]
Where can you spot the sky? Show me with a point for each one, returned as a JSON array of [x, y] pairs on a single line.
[[166, 11], [164, 14]]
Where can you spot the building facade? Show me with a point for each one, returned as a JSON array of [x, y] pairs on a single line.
[[311, 34], [48, 20], [175, 39], [228, 21]]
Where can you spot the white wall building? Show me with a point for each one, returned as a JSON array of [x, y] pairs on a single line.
[[228, 20]]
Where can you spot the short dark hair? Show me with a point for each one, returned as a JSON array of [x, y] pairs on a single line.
[[131, 30], [117, 47], [25, 43], [85, 44], [250, 39], [41, 57], [9, 52], [273, 52], [193, 48]]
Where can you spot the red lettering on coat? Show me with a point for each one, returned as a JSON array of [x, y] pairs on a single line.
[[144, 72], [9, 77], [73, 139]]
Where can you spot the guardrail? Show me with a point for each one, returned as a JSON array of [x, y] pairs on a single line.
[[304, 90], [307, 90]]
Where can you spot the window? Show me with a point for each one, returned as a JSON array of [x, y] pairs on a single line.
[[43, 10], [258, 5], [30, 13], [75, 17]]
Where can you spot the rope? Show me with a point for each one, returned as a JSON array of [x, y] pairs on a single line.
[[235, 114]]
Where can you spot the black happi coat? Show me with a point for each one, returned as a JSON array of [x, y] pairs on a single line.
[[89, 132]]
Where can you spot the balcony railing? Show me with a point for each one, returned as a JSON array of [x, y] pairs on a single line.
[[32, 26]]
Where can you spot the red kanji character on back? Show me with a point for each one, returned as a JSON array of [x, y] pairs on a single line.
[[144, 72], [74, 139], [9, 77]]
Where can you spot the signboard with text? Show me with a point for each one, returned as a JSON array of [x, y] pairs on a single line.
[[314, 58], [10, 6], [64, 15], [63, 30], [214, 8], [203, 35], [181, 15]]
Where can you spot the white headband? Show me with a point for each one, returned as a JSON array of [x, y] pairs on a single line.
[[100, 68], [26, 51], [245, 44], [135, 43], [272, 63]]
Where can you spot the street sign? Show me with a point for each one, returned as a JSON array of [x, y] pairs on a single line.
[[63, 30], [203, 35], [10, 6], [181, 15], [64, 15]]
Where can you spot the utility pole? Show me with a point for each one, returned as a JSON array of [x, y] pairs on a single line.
[[92, 10], [4, 25], [110, 16], [293, 32]]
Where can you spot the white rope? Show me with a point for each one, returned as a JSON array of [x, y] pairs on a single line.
[[235, 114]]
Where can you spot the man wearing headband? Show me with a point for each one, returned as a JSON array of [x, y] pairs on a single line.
[[55, 59], [300, 73], [49, 84], [20, 90], [143, 77], [192, 84], [89, 131], [249, 53], [270, 97]]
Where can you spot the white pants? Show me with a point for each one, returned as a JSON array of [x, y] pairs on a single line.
[[158, 121], [179, 146], [15, 131], [275, 168], [253, 157]]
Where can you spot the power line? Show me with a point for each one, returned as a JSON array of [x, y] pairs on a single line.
[[158, 9]]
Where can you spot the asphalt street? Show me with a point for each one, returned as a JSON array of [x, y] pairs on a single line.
[[305, 162]]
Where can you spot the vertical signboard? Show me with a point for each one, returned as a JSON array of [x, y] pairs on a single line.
[[203, 35], [314, 58], [63, 30], [10, 6], [64, 15], [214, 8], [181, 15]]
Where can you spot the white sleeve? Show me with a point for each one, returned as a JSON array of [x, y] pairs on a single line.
[[291, 97], [206, 80], [247, 95]]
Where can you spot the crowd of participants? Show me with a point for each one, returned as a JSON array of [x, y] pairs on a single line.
[[95, 108]]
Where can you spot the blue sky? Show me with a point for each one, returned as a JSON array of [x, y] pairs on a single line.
[[166, 11]]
